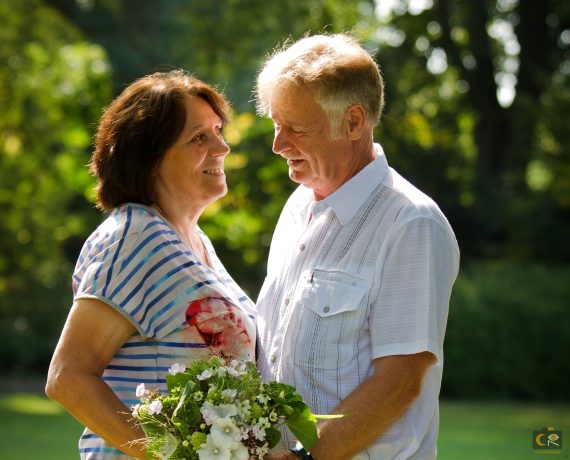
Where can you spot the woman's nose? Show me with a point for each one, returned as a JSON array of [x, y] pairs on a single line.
[[222, 147]]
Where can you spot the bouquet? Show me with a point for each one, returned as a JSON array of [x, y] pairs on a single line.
[[220, 409]]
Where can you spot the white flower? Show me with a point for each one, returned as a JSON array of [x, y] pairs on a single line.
[[263, 399], [244, 430], [211, 451], [262, 451], [239, 451], [141, 390], [154, 407], [229, 394], [222, 371], [263, 422], [258, 432], [273, 416], [135, 410], [233, 372], [211, 413], [205, 375], [225, 432], [236, 368], [222, 449], [176, 368]]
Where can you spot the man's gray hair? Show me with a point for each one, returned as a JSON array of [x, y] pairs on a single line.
[[337, 70]]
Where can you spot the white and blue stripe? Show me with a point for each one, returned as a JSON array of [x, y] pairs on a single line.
[[136, 263]]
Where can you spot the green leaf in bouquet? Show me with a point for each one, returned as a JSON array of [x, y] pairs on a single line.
[[163, 446], [272, 436], [303, 425], [152, 427], [181, 422], [178, 380]]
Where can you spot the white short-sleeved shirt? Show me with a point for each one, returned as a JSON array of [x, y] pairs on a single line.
[[365, 273], [182, 309]]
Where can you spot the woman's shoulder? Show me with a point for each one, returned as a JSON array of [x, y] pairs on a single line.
[[124, 226], [130, 219]]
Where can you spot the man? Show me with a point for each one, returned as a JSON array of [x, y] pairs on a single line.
[[354, 307]]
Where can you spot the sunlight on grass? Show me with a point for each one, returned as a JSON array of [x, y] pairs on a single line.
[[29, 404], [32, 427]]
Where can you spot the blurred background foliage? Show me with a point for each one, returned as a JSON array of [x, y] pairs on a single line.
[[477, 102]]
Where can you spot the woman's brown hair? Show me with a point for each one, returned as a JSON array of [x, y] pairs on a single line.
[[137, 129]]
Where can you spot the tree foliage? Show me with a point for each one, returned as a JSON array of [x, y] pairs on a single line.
[[52, 88], [476, 102], [471, 116]]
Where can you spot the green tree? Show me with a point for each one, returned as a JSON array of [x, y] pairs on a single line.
[[52, 91], [476, 94]]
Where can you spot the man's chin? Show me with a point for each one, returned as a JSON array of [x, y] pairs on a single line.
[[296, 177]]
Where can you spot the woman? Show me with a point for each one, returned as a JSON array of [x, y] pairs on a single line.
[[148, 287]]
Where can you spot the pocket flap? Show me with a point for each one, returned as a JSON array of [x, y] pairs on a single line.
[[330, 292]]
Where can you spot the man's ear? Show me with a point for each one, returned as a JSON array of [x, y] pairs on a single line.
[[355, 121]]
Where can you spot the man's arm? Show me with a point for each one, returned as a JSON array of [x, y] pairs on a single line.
[[371, 408]]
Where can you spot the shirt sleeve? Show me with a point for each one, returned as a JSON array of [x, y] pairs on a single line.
[[416, 273], [142, 272]]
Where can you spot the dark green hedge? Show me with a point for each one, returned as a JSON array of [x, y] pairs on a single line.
[[508, 334]]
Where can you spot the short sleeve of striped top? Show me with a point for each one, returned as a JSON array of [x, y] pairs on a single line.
[[134, 261]]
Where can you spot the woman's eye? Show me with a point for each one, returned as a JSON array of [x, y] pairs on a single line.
[[198, 138]]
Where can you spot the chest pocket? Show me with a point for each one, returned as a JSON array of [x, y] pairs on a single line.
[[334, 319], [329, 293]]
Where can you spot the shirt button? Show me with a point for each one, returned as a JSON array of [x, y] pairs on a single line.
[[327, 309], [287, 301], [301, 247], [273, 359]]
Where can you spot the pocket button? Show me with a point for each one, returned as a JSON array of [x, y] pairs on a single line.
[[327, 309]]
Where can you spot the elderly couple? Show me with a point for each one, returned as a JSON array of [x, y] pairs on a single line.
[[354, 306]]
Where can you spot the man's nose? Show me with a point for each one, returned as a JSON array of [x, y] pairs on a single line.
[[280, 141]]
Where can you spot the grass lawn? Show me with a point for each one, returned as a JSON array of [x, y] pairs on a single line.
[[493, 431], [33, 427]]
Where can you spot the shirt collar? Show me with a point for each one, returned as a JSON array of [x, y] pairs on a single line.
[[349, 197]]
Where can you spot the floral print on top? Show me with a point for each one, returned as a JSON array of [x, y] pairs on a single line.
[[221, 326]]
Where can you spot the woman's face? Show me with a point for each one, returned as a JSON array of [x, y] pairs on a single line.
[[192, 170]]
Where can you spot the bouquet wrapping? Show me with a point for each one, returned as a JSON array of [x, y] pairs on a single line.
[[220, 409]]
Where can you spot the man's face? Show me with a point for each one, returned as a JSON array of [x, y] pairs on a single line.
[[303, 137]]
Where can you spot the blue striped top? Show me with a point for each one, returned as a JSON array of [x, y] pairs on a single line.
[[182, 309]]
